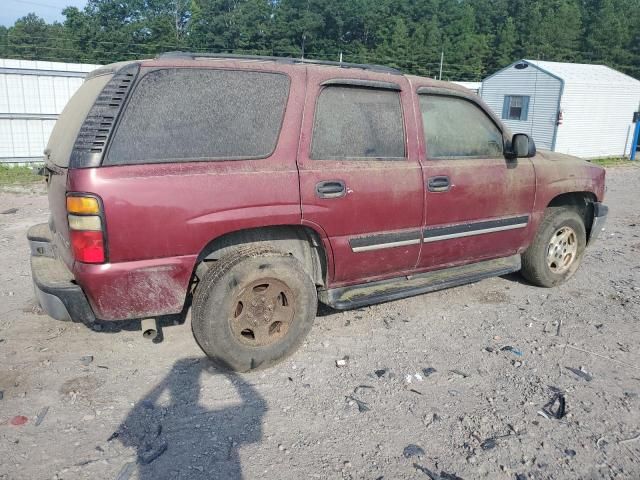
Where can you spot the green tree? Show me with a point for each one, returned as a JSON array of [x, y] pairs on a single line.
[[476, 36], [505, 44]]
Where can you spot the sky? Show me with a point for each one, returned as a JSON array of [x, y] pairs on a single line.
[[50, 10]]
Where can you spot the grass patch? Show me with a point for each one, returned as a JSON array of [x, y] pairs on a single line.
[[19, 175], [613, 162]]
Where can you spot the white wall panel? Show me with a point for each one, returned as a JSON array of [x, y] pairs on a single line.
[[544, 92], [597, 104], [29, 90], [6, 139]]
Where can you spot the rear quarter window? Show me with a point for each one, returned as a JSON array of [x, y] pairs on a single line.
[[197, 114]]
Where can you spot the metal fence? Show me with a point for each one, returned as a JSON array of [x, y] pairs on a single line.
[[32, 95]]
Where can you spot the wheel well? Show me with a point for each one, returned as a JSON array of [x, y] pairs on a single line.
[[581, 201], [301, 242]]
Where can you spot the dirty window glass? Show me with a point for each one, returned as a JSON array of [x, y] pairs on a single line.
[[358, 123], [454, 127], [196, 114]]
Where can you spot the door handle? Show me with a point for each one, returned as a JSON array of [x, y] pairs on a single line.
[[331, 189], [438, 184]]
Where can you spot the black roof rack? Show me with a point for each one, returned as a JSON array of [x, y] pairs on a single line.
[[233, 56]]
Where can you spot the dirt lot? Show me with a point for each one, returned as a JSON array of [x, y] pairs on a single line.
[[429, 389]]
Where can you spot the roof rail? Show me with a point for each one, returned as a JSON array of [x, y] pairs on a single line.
[[289, 60]]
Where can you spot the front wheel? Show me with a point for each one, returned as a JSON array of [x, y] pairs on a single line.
[[253, 308], [557, 249]]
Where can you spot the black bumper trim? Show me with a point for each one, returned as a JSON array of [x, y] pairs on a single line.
[[600, 213], [55, 288]]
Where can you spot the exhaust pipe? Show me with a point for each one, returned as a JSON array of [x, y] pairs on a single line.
[[149, 328]]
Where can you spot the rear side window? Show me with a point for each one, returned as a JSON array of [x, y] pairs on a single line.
[[196, 114], [458, 128], [354, 123]]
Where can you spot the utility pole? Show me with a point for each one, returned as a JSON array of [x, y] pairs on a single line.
[[340, 57], [304, 37], [441, 61]]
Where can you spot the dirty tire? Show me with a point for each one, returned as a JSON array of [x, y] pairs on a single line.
[[228, 284], [535, 264]]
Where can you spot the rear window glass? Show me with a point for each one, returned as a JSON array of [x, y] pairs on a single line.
[[196, 114], [65, 131], [358, 123]]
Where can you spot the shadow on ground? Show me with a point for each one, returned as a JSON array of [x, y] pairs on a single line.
[[176, 437]]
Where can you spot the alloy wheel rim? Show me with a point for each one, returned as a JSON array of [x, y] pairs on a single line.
[[562, 250], [262, 312]]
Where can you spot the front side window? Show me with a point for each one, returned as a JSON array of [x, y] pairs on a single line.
[[458, 128], [515, 107], [354, 123], [196, 114]]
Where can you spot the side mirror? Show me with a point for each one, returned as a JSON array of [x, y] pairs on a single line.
[[522, 146]]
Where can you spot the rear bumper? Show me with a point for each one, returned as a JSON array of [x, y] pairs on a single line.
[[54, 285], [600, 213], [111, 291]]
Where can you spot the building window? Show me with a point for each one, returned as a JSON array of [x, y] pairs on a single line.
[[515, 107]]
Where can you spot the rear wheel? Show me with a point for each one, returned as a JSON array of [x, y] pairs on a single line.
[[253, 308], [557, 250]]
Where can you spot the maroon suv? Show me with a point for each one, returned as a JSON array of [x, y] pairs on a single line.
[[255, 187]]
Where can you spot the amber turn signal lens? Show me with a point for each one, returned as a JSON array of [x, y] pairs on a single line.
[[82, 205]]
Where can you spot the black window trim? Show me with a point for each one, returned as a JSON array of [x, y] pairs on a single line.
[[426, 91], [324, 86], [356, 82], [145, 71]]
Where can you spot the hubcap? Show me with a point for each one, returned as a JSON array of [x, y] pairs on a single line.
[[262, 313], [562, 250]]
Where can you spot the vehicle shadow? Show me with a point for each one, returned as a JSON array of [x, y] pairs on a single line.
[[517, 278], [176, 437], [116, 326]]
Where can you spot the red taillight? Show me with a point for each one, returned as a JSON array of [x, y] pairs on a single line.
[[87, 246], [86, 228]]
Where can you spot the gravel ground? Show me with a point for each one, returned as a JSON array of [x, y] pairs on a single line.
[[445, 385]]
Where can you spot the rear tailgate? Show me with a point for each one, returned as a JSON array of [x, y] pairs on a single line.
[[57, 156]]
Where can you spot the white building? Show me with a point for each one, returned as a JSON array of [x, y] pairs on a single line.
[[473, 86], [32, 95], [582, 110]]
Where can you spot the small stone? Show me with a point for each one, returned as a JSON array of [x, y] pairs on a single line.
[[281, 447], [428, 371], [9, 211], [86, 360], [343, 362], [570, 453], [412, 450]]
